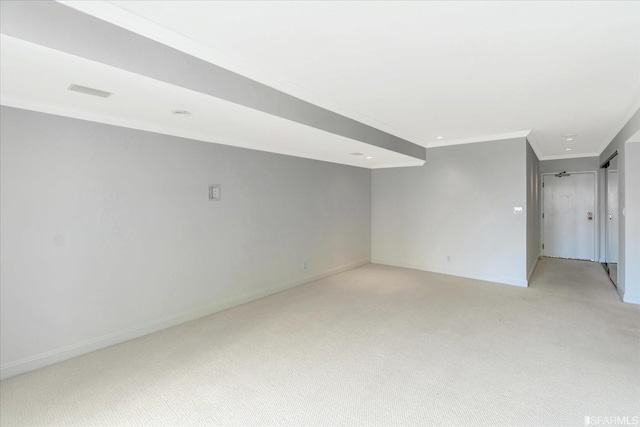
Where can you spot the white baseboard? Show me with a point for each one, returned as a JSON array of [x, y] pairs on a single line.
[[535, 264], [487, 278], [61, 354]]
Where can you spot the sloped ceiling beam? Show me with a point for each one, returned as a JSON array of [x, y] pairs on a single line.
[[59, 27]]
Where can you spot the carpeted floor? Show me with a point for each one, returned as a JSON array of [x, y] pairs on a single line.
[[373, 346]]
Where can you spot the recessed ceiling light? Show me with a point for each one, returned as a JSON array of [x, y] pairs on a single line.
[[569, 138], [356, 154], [181, 112], [368, 157], [568, 149], [439, 137], [89, 91]]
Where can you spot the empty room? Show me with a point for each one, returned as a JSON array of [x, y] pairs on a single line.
[[319, 213]]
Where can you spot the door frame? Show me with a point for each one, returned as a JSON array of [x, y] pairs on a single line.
[[596, 211], [604, 232], [607, 227]]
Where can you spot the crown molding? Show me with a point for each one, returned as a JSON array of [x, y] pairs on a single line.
[[635, 138], [569, 156], [411, 163], [635, 106], [533, 141]]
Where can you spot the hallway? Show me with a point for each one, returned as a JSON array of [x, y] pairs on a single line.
[[581, 280]]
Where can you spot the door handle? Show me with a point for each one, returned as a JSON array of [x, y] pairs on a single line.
[[590, 216]]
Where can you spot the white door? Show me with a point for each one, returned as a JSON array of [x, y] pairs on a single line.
[[569, 216]]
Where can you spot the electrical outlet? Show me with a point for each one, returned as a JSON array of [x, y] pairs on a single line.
[[214, 192], [517, 210]]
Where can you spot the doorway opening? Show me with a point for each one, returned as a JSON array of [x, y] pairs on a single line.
[[612, 216], [569, 215]]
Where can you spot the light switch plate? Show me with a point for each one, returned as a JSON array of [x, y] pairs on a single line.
[[517, 210], [214, 192]]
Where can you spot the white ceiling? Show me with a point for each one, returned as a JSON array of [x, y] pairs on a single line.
[[467, 71], [37, 78]]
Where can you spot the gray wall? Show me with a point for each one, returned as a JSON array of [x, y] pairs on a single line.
[[533, 210], [459, 205], [628, 285], [108, 233], [632, 218]]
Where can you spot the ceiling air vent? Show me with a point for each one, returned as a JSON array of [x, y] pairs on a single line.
[[90, 91]]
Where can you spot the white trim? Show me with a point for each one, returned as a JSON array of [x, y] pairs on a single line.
[[615, 130], [533, 141], [416, 162], [522, 283], [631, 298], [535, 264], [607, 224], [596, 253], [495, 137], [569, 156], [635, 138], [596, 211], [61, 354]]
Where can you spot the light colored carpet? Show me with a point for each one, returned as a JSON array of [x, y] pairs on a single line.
[[373, 346]]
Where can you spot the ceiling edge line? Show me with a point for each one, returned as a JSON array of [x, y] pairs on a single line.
[[484, 138], [141, 126], [130, 21], [39, 23], [568, 156], [615, 130]]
